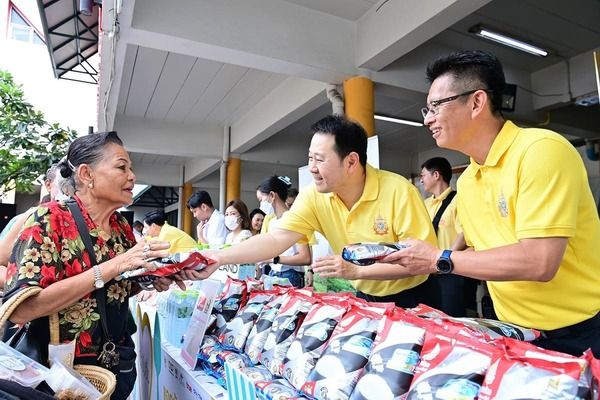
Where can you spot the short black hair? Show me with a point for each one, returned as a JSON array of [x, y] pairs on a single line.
[[137, 224], [199, 198], [157, 217], [277, 184], [349, 136], [472, 69], [441, 165]]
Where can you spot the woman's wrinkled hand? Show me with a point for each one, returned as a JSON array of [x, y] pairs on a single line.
[[140, 255], [164, 283]]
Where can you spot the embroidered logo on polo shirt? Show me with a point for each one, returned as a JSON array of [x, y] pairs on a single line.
[[502, 206], [380, 226]]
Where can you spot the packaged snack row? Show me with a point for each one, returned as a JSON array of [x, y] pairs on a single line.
[[293, 343]]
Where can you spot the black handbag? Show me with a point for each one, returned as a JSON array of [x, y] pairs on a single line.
[[31, 339]]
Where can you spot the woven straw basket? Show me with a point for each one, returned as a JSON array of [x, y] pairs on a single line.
[[103, 380]]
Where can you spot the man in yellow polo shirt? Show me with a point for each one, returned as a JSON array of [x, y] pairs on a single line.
[[525, 206], [349, 202], [435, 177], [156, 226]]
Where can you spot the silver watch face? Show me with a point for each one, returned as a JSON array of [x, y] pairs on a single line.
[[99, 283]]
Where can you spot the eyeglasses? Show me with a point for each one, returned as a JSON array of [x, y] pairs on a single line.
[[433, 107]]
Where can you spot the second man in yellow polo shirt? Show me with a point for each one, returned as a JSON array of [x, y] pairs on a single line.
[[348, 202]]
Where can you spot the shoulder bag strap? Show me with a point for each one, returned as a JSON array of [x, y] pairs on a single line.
[[438, 215], [87, 241]]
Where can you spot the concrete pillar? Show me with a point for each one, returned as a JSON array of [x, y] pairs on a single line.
[[233, 179], [360, 102], [188, 218]]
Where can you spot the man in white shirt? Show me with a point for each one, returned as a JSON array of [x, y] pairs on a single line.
[[211, 228]]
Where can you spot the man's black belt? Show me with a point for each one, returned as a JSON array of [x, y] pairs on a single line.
[[579, 327]]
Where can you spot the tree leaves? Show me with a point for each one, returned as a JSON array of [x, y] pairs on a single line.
[[29, 145]]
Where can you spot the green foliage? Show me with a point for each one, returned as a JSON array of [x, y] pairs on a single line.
[[28, 143]]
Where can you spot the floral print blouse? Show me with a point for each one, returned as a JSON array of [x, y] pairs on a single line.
[[50, 248]]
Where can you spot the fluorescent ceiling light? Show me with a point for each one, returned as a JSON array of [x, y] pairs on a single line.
[[398, 120], [508, 41]]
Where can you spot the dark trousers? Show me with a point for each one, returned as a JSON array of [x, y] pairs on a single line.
[[451, 294], [409, 298], [574, 339]]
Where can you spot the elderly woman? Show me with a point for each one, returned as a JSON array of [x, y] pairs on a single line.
[[50, 253]]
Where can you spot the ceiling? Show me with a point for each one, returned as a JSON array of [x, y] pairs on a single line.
[[168, 85]]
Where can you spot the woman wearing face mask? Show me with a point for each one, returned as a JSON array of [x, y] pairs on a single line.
[[237, 222], [272, 193]]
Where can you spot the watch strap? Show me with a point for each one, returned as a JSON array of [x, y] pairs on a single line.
[[97, 274], [445, 259]]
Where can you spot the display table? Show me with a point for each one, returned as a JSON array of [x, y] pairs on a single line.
[[176, 381], [162, 372]]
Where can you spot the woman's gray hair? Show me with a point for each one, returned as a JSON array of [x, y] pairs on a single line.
[[87, 149]]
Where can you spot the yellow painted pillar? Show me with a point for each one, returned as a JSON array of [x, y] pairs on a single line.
[[187, 216], [359, 102], [233, 179]]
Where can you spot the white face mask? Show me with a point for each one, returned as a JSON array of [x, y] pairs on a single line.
[[232, 222], [266, 207]]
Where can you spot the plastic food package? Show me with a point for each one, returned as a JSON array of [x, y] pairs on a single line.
[[168, 266], [229, 303], [347, 352], [310, 342], [258, 373], [519, 349], [369, 253], [236, 360], [497, 329], [534, 379], [276, 390], [258, 335], [450, 368], [17, 367], [237, 330], [595, 371], [283, 331], [62, 378], [395, 356]]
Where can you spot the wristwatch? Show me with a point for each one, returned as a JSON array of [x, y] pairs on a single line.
[[444, 264], [98, 281], [276, 260]]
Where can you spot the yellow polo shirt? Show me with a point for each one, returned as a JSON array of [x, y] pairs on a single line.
[[449, 226], [389, 210], [180, 241], [533, 184]]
